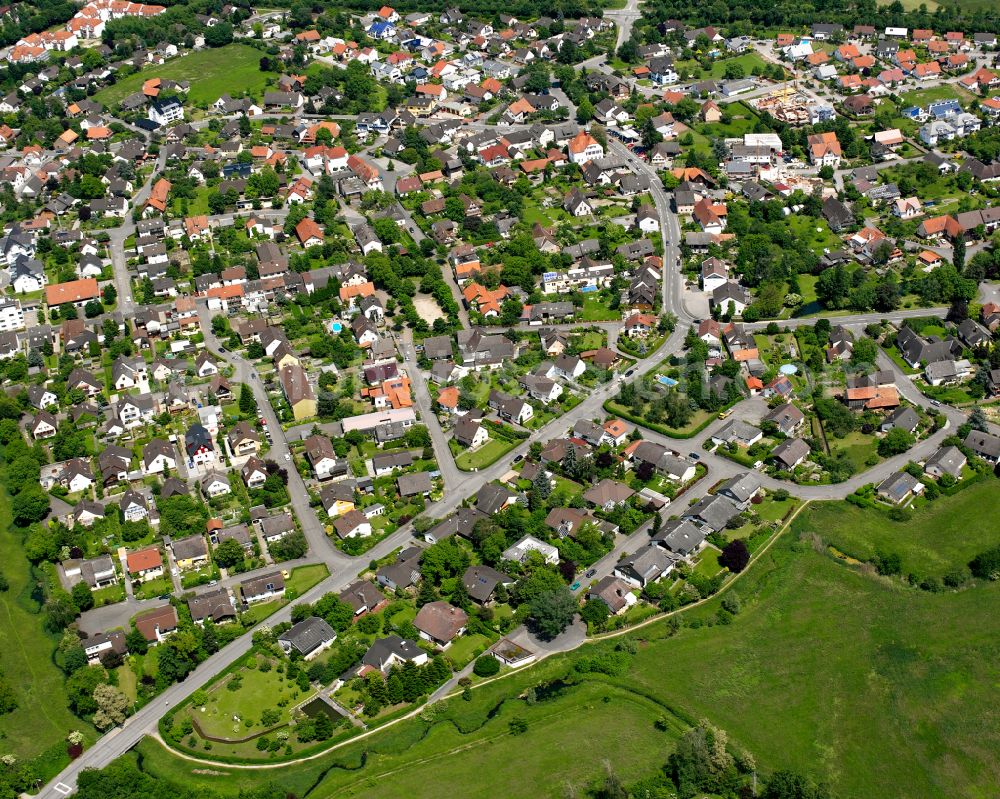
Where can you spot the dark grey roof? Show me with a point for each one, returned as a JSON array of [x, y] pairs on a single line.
[[680, 536], [308, 635], [380, 653], [481, 581]]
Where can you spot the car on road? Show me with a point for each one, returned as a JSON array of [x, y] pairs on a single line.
[[223, 349], [519, 458], [629, 372], [694, 456], [288, 456], [590, 572], [575, 586], [936, 403]]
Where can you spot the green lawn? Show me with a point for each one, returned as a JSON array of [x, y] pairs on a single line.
[[877, 688], [699, 420], [591, 340], [924, 96], [488, 453], [258, 691], [109, 595], [597, 310], [303, 578], [944, 535], [950, 395], [154, 588], [595, 722], [39, 724], [212, 73], [815, 232], [749, 62], [858, 446], [464, 649], [259, 611]]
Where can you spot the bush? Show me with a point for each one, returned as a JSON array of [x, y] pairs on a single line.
[[486, 666], [986, 565], [735, 556]]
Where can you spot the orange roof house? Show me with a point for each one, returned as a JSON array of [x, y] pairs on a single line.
[[483, 299], [448, 397], [874, 397], [72, 291], [312, 130], [348, 293], [521, 106], [823, 144], [158, 195], [144, 560], [195, 225], [225, 292], [394, 393], [308, 231], [581, 142], [929, 258], [99, 133]]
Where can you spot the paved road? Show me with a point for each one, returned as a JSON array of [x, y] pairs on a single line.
[[246, 373], [445, 460], [460, 485], [116, 245], [624, 18]]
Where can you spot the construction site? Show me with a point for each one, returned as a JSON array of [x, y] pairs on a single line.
[[791, 106]]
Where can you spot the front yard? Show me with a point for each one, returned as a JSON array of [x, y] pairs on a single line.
[[488, 453]]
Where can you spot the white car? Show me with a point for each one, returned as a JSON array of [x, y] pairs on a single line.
[[288, 456]]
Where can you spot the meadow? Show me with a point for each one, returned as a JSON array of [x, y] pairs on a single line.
[[37, 728], [234, 68], [950, 532], [877, 688]]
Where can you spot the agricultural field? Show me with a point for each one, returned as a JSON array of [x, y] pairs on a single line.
[[234, 68]]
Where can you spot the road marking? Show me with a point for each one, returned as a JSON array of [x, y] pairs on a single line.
[[63, 788]]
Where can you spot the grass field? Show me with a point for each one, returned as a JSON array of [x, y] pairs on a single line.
[[303, 578], [876, 688], [879, 690], [595, 722], [596, 310], [815, 232], [488, 453], [258, 691], [923, 96], [945, 534], [41, 720], [233, 68]]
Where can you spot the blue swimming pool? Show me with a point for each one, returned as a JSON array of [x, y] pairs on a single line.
[[667, 381], [336, 327], [788, 369], [588, 289]]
